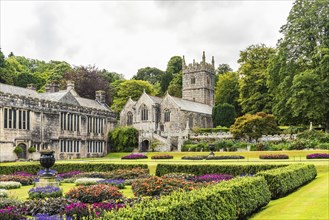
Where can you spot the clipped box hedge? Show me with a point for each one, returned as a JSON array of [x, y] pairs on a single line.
[[231, 169], [234, 199], [67, 167], [283, 180]]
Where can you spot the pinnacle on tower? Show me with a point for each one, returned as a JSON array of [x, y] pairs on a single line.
[[203, 57], [183, 62], [213, 61]]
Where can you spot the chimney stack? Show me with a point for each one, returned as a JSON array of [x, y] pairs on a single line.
[[52, 87], [69, 85], [100, 96]]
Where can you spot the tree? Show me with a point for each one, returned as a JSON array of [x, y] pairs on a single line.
[[303, 54], [227, 90], [254, 126], [150, 74], [254, 96], [223, 115], [174, 67], [87, 81], [123, 139], [175, 86], [130, 88], [221, 69]]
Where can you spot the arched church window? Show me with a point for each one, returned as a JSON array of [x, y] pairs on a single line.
[[166, 115], [204, 122], [208, 81], [192, 80], [190, 121], [144, 113], [129, 118]]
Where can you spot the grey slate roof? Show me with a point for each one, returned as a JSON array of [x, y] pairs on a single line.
[[54, 97], [155, 99], [192, 106]]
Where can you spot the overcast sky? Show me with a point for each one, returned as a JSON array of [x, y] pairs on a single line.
[[126, 36]]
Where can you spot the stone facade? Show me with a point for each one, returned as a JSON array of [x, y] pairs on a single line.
[[62, 121], [169, 119]]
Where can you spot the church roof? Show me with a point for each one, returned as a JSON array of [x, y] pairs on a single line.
[[192, 106], [156, 99], [53, 96]]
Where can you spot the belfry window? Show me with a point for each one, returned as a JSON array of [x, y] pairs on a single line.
[[144, 113], [129, 118], [192, 80], [166, 115]]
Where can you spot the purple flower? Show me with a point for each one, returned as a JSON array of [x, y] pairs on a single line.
[[69, 174], [22, 173], [317, 156], [134, 156], [41, 172]]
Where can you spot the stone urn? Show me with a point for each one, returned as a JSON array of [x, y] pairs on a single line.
[[211, 148], [47, 160]]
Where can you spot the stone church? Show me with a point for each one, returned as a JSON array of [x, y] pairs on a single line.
[[169, 119], [59, 120]]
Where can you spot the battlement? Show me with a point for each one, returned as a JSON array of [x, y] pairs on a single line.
[[197, 67]]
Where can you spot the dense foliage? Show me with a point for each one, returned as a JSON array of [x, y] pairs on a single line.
[[223, 115], [123, 139]]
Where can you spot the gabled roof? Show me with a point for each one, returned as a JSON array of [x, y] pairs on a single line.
[[191, 106], [155, 99], [63, 96]]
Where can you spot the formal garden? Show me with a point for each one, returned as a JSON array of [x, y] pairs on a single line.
[[173, 185]]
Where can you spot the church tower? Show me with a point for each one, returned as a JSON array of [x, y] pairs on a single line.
[[198, 81]]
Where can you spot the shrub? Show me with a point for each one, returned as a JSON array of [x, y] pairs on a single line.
[[317, 156], [323, 146], [231, 169], [32, 150], [50, 206], [123, 139], [87, 181], [67, 167], [120, 183], [155, 157], [24, 180], [156, 186], [10, 185], [10, 213], [99, 209], [3, 193], [77, 210], [212, 178], [94, 193], [134, 156], [200, 157], [234, 199], [18, 150], [274, 156], [284, 180], [46, 191]]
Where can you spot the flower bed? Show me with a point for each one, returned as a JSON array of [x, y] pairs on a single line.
[[212, 178], [129, 174], [187, 176], [43, 192], [157, 186], [24, 180], [10, 185], [94, 193], [87, 181], [68, 174], [159, 157], [274, 156], [317, 156], [205, 157], [120, 183], [134, 156], [3, 193]]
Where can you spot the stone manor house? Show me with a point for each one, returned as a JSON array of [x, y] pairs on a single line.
[[72, 126], [169, 119]]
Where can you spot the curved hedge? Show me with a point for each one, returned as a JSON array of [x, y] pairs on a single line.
[[282, 181], [231, 169], [66, 167], [234, 199]]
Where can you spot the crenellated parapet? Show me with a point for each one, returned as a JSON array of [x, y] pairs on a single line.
[[198, 67]]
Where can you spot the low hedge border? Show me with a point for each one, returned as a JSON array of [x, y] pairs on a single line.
[[234, 199], [274, 156], [66, 167], [283, 180], [201, 157], [231, 169]]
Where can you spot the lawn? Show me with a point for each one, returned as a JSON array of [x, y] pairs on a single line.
[[308, 202]]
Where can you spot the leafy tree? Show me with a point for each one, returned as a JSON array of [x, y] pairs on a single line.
[[303, 54], [87, 81], [223, 68], [254, 126], [2, 59], [223, 115], [254, 96], [227, 90], [112, 76], [150, 74], [5, 76], [130, 88], [175, 86], [174, 67], [123, 139]]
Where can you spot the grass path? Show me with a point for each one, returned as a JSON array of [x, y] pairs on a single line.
[[308, 202]]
